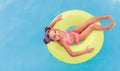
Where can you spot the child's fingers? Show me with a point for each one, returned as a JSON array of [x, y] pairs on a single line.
[[59, 16], [92, 49]]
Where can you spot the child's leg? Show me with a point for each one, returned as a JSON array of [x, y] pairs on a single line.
[[90, 21], [92, 27]]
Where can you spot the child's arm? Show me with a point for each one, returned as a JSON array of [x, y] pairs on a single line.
[[55, 21], [73, 54]]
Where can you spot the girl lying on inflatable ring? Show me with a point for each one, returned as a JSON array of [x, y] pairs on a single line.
[[76, 35]]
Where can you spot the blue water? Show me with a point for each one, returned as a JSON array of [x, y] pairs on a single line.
[[22, 25]]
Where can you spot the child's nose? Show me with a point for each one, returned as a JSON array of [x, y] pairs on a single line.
[[57, 33]]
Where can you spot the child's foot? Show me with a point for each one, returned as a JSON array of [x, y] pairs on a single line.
[[111, 25], [109, 17]]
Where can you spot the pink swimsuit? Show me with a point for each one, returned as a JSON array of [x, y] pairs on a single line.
[[68, 38]]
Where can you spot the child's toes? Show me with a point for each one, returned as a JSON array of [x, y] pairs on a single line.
[[109, 17], [113, 23]]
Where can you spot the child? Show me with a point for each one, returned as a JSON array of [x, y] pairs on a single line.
[[76, 35]]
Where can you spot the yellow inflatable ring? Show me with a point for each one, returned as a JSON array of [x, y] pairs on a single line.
[[95, 39]]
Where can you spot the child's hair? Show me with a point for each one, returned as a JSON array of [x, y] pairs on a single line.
[[46, 37]]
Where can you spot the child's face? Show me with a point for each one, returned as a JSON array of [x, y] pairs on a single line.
[[55, 34]]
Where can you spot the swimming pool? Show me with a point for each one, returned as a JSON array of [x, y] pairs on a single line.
[[22, 24]]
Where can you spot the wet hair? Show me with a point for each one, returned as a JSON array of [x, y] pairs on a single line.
[[46, 37]]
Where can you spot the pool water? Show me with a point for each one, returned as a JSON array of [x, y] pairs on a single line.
[[22, 24]]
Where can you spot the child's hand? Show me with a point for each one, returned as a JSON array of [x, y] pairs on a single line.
[[89, 50], [58, 18]]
